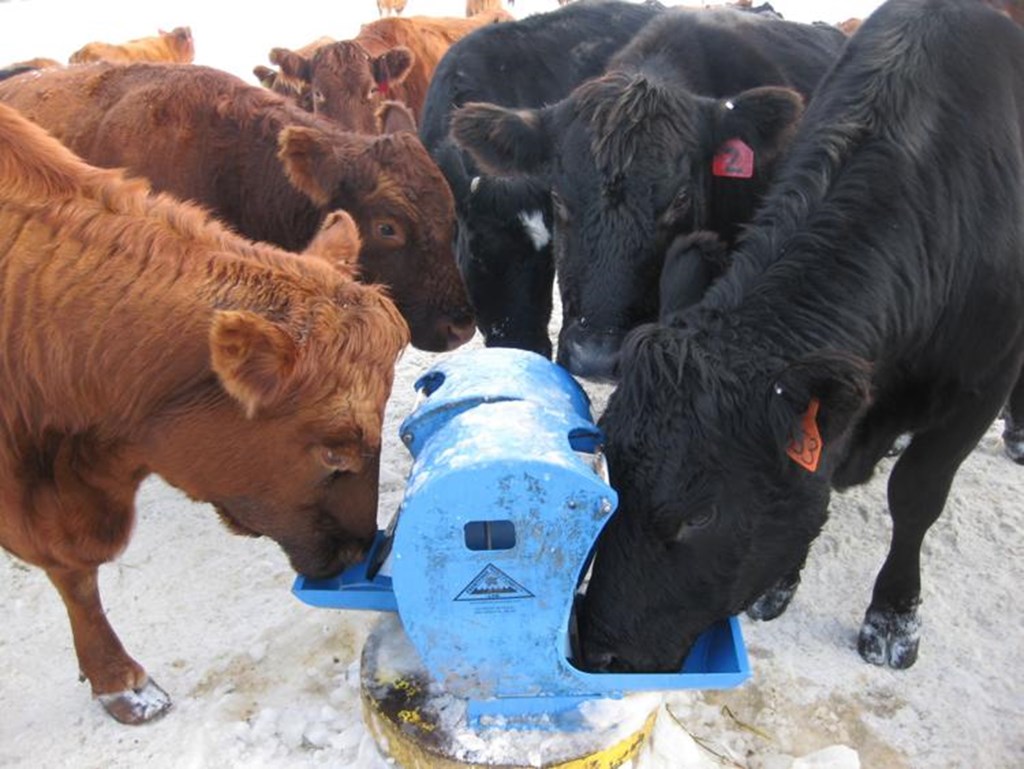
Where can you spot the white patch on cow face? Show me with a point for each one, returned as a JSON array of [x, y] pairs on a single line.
[[533, 223]]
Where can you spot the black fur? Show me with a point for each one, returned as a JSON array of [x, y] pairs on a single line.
[[528, 63], [629, 156], [882, 279]]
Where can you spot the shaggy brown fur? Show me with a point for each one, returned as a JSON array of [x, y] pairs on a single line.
[[268, 168], [392, 58], [174, 46], [140, 336]]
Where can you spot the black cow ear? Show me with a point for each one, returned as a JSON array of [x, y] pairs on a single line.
[[764, 119], [815, 401], [692, 263], [392, 67], [503, 141]]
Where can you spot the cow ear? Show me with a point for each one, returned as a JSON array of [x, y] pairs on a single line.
[[253, 358], [265, 75], [764, 119], [308, 157], [293, 65], [392, 67], [337, 242], [394, 117], [815, 401], [692, 263], [503, 141]]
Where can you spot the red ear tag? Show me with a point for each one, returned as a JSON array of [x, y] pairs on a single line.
[[734, 160], [384, 89], [805, 450]]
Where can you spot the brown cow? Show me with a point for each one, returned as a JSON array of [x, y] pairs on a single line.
[[141, 336], [476, 7], [390, 7], [392, 58], [269, 169], [174, 46], [294, 87]]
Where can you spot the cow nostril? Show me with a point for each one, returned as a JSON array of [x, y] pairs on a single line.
[[460, 332]]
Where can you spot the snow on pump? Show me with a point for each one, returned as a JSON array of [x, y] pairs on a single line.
[[506, 497]]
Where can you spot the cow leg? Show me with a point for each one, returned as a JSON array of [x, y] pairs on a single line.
[[1013, 423], [118, 682], [918, 487]]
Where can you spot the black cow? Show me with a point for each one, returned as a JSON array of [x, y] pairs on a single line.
[[876, 292], [679, 134], [503, 247]]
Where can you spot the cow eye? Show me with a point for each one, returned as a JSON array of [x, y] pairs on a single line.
[[337, 460], [386, 230], [696, 521]]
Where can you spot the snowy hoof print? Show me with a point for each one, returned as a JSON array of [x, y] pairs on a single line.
[[136, 706], [890, 638], [774, 601]]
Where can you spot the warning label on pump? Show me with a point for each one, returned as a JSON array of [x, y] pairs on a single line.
[[492, 584]]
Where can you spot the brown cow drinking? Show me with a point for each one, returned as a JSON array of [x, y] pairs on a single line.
[[140, 336], [269, 169], [392, 58]]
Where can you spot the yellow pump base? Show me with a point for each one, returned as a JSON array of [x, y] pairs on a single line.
[[419, 726]]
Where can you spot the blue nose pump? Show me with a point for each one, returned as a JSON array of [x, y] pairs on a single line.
[[506, 497]]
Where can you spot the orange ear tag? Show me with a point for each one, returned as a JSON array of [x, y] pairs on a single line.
[[805, 450]]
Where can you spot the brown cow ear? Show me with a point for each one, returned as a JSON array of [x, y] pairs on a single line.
[[309, 159], [337, 242], [252, 357], [292, 64], [394, 117], [392, 67], [265, 75], [765, 119], [503, 141]]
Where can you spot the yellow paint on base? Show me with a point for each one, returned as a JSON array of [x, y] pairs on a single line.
[[409, 753]]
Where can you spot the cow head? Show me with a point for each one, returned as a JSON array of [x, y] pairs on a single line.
[[630, 163], [504, 254], [405, 214], [717, 502], [179, 42], [347, 84], [284, 438]]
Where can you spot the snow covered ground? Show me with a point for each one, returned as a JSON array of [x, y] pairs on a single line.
[[262, 680]]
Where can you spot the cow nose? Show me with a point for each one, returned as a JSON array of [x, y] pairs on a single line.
[[460, 330], [591, 354]]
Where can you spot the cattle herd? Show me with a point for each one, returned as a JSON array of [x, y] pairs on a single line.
[[788, 245]]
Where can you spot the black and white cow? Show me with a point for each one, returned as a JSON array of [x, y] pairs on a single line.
[[504, 225], [876, 292], [679, 134]]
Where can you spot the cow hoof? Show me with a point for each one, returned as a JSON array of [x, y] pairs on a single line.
[[1013, 444], [136, 706], [890, 638], [774, 601]]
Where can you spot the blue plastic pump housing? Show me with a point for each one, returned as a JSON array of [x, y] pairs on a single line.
[[506, 497]]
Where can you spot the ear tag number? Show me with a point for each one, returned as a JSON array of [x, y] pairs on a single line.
[[805, 449], [734, 160]]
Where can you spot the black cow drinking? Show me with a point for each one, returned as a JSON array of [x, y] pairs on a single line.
[[504, 243], [877, 292], [677, 135]]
